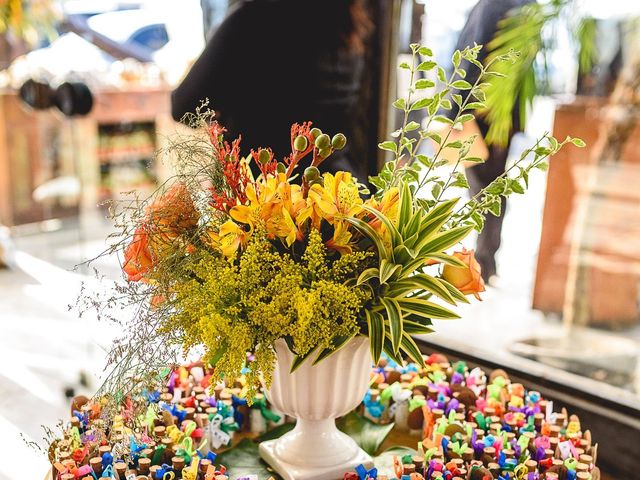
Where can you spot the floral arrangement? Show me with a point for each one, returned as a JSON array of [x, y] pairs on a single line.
[[241, 248]]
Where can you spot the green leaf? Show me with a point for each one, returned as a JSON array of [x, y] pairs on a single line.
[[424, 160], [474, 159], [400, 104], [375, 323], [405, 211], [411, 126], [411, 228], [394, 315], [465, 118], [441, 75], [218, 354], [446, 259], [298, 360], [403, 255], [479, 219], [425, 51], [367, 275], [542, 151], [461, 85], [391, 452], [423, 83], [393, 231], [455, 293], [496, 187], [459, 180], [457, 98], [444, 240], [446, 104], [515, 186], [578, 142], [495, 207], [544, 166], [474, 106], [388, 349], [415, 328], [389, 146], [525, 176], [433, 136], [420, 104], [433, 285], [437, 217], [387, 270], [454, 144], [337, 343], [244, 459], [425, 66], [455, 59], [405, 66], [443, 119], [433, 107], [368, 435], [425, 308], [371, 234], [419, 319], [411, 349]]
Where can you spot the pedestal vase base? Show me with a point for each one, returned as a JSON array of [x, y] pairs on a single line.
[[299, 472]]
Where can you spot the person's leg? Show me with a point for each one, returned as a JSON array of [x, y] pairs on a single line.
[[479, 177]]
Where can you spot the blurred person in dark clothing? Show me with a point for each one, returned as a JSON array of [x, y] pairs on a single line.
[[272, 63], [481, 28]]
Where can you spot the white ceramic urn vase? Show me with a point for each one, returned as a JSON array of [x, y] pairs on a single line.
[[316, 395]]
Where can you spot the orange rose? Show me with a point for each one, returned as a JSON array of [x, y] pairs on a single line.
[[466, 279], [138, 257]]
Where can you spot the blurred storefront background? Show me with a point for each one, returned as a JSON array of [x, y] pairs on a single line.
[[564, 306]]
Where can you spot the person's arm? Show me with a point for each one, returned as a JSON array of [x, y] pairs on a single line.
[[208, 76]]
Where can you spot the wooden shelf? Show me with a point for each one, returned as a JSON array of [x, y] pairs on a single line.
[[38, 146]]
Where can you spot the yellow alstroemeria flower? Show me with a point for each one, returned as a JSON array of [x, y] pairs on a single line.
[[279, 224], [337, 198], [341, 240], [229, 238], [387, 205], [252, 213], [288, 210], [275, 204]]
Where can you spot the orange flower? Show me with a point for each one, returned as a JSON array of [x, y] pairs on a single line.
[[173, 212], [277, 205], [341, 240], [388, 206], [168, 216], [466, 279], [337, 198], [138, 257], [229, 238]]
